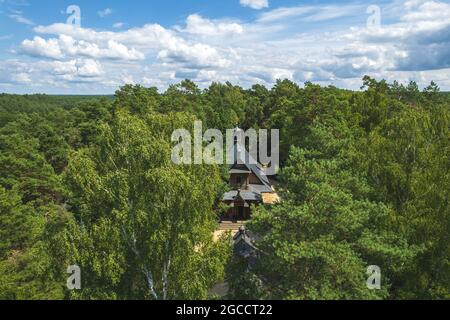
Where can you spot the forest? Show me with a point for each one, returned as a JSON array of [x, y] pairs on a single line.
[[89, 181]]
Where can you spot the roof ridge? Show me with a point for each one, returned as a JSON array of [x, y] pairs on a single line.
[[255, 167]]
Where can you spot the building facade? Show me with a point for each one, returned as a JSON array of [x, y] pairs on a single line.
[[250, 186]]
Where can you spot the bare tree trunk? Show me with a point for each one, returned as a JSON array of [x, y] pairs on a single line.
[[147, 273], [150, 282], [165, 273]]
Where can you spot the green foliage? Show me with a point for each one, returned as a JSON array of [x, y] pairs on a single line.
[[143, 225], [23, 259], [244, 284], [137, 99], [319, 242], [365, 181]]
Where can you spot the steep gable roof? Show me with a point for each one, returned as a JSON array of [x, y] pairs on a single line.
[[242, 157]]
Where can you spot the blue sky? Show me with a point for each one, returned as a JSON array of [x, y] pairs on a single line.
[[158, 43]]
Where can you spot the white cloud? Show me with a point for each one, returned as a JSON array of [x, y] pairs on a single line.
[[311, 13], [193, 56], [333, 12], [21, 78], [88, 68], [255, 4], [63, 67], [73, 69], [50, 74], [40, 47], [426, 11], [18, 16], [284, 13], [104, 13], [195, 24], [419, 41], [413, 44], [66, 46], [169, 46]]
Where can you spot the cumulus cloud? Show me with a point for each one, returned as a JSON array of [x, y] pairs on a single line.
[[50, 74], [39, 47], [66, 46], [419, 41], [196, 24], [72, 69], [88, 68], [75, 70], [426, 11], [255, 4], [413, 45], [169, 46], [193, 56]]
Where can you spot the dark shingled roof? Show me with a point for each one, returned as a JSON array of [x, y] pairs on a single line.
[[245, 163], [244, 159], [246, 195], [240, 171], [244, 246]]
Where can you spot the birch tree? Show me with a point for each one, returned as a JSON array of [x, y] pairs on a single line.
[[143, 225]]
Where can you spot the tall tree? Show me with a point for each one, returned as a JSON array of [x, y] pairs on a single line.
[[320, 241], [143, 225]]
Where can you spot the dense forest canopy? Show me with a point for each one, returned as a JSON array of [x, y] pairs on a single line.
[[365, 180]]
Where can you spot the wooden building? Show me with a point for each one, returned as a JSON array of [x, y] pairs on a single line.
[[250, 186]]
